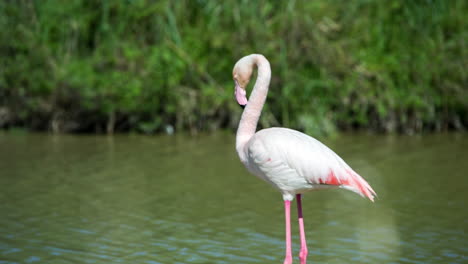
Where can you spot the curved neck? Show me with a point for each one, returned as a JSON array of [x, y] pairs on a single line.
[[251, 114]]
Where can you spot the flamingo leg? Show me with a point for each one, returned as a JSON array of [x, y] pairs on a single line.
[[303, 253], [287, 214]]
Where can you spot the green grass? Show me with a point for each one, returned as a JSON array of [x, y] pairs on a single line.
[[104, 66]]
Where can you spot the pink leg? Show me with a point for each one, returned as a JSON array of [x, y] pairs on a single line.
[[287, 213], [303, 252]]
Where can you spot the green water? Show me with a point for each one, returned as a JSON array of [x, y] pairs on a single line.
[[182, 199]]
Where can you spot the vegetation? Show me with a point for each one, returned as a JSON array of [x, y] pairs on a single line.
[[147, 66]]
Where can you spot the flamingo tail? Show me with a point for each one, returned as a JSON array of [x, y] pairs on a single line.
[[352, 181]]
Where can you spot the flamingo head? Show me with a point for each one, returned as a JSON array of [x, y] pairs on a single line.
[[241, 74]]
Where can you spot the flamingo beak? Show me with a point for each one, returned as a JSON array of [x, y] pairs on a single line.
[[240, 95]]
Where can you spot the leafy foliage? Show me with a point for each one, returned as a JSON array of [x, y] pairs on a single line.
[[151, 65]]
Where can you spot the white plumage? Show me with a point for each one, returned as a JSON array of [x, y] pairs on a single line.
[[295, 163]]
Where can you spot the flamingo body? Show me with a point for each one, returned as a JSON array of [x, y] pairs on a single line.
[[294, 163]]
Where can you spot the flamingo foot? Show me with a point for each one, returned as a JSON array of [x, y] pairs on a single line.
[[288, 260]]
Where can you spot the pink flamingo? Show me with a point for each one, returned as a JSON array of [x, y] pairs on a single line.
[[289, 160]]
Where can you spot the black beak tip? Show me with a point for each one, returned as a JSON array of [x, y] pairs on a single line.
[[242, 106]]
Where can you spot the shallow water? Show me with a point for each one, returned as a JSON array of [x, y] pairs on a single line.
[[182, 199]]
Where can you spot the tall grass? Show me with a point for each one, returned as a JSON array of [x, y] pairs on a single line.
[[105, 66]]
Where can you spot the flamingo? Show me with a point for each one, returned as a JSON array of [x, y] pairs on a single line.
[[291, 161]]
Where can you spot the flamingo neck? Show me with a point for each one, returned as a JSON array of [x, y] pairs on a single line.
[[253, 110]]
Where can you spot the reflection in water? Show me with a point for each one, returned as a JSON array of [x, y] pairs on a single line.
[[137, 199]]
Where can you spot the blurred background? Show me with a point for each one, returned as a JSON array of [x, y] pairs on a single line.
[[144, 66], [117, 123]]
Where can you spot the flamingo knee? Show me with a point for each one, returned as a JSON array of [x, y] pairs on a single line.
[[303, 255]]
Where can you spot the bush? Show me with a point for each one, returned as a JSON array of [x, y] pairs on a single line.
[[100, 66]]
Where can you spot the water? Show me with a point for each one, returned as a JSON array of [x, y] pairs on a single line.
[[181, 199]]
